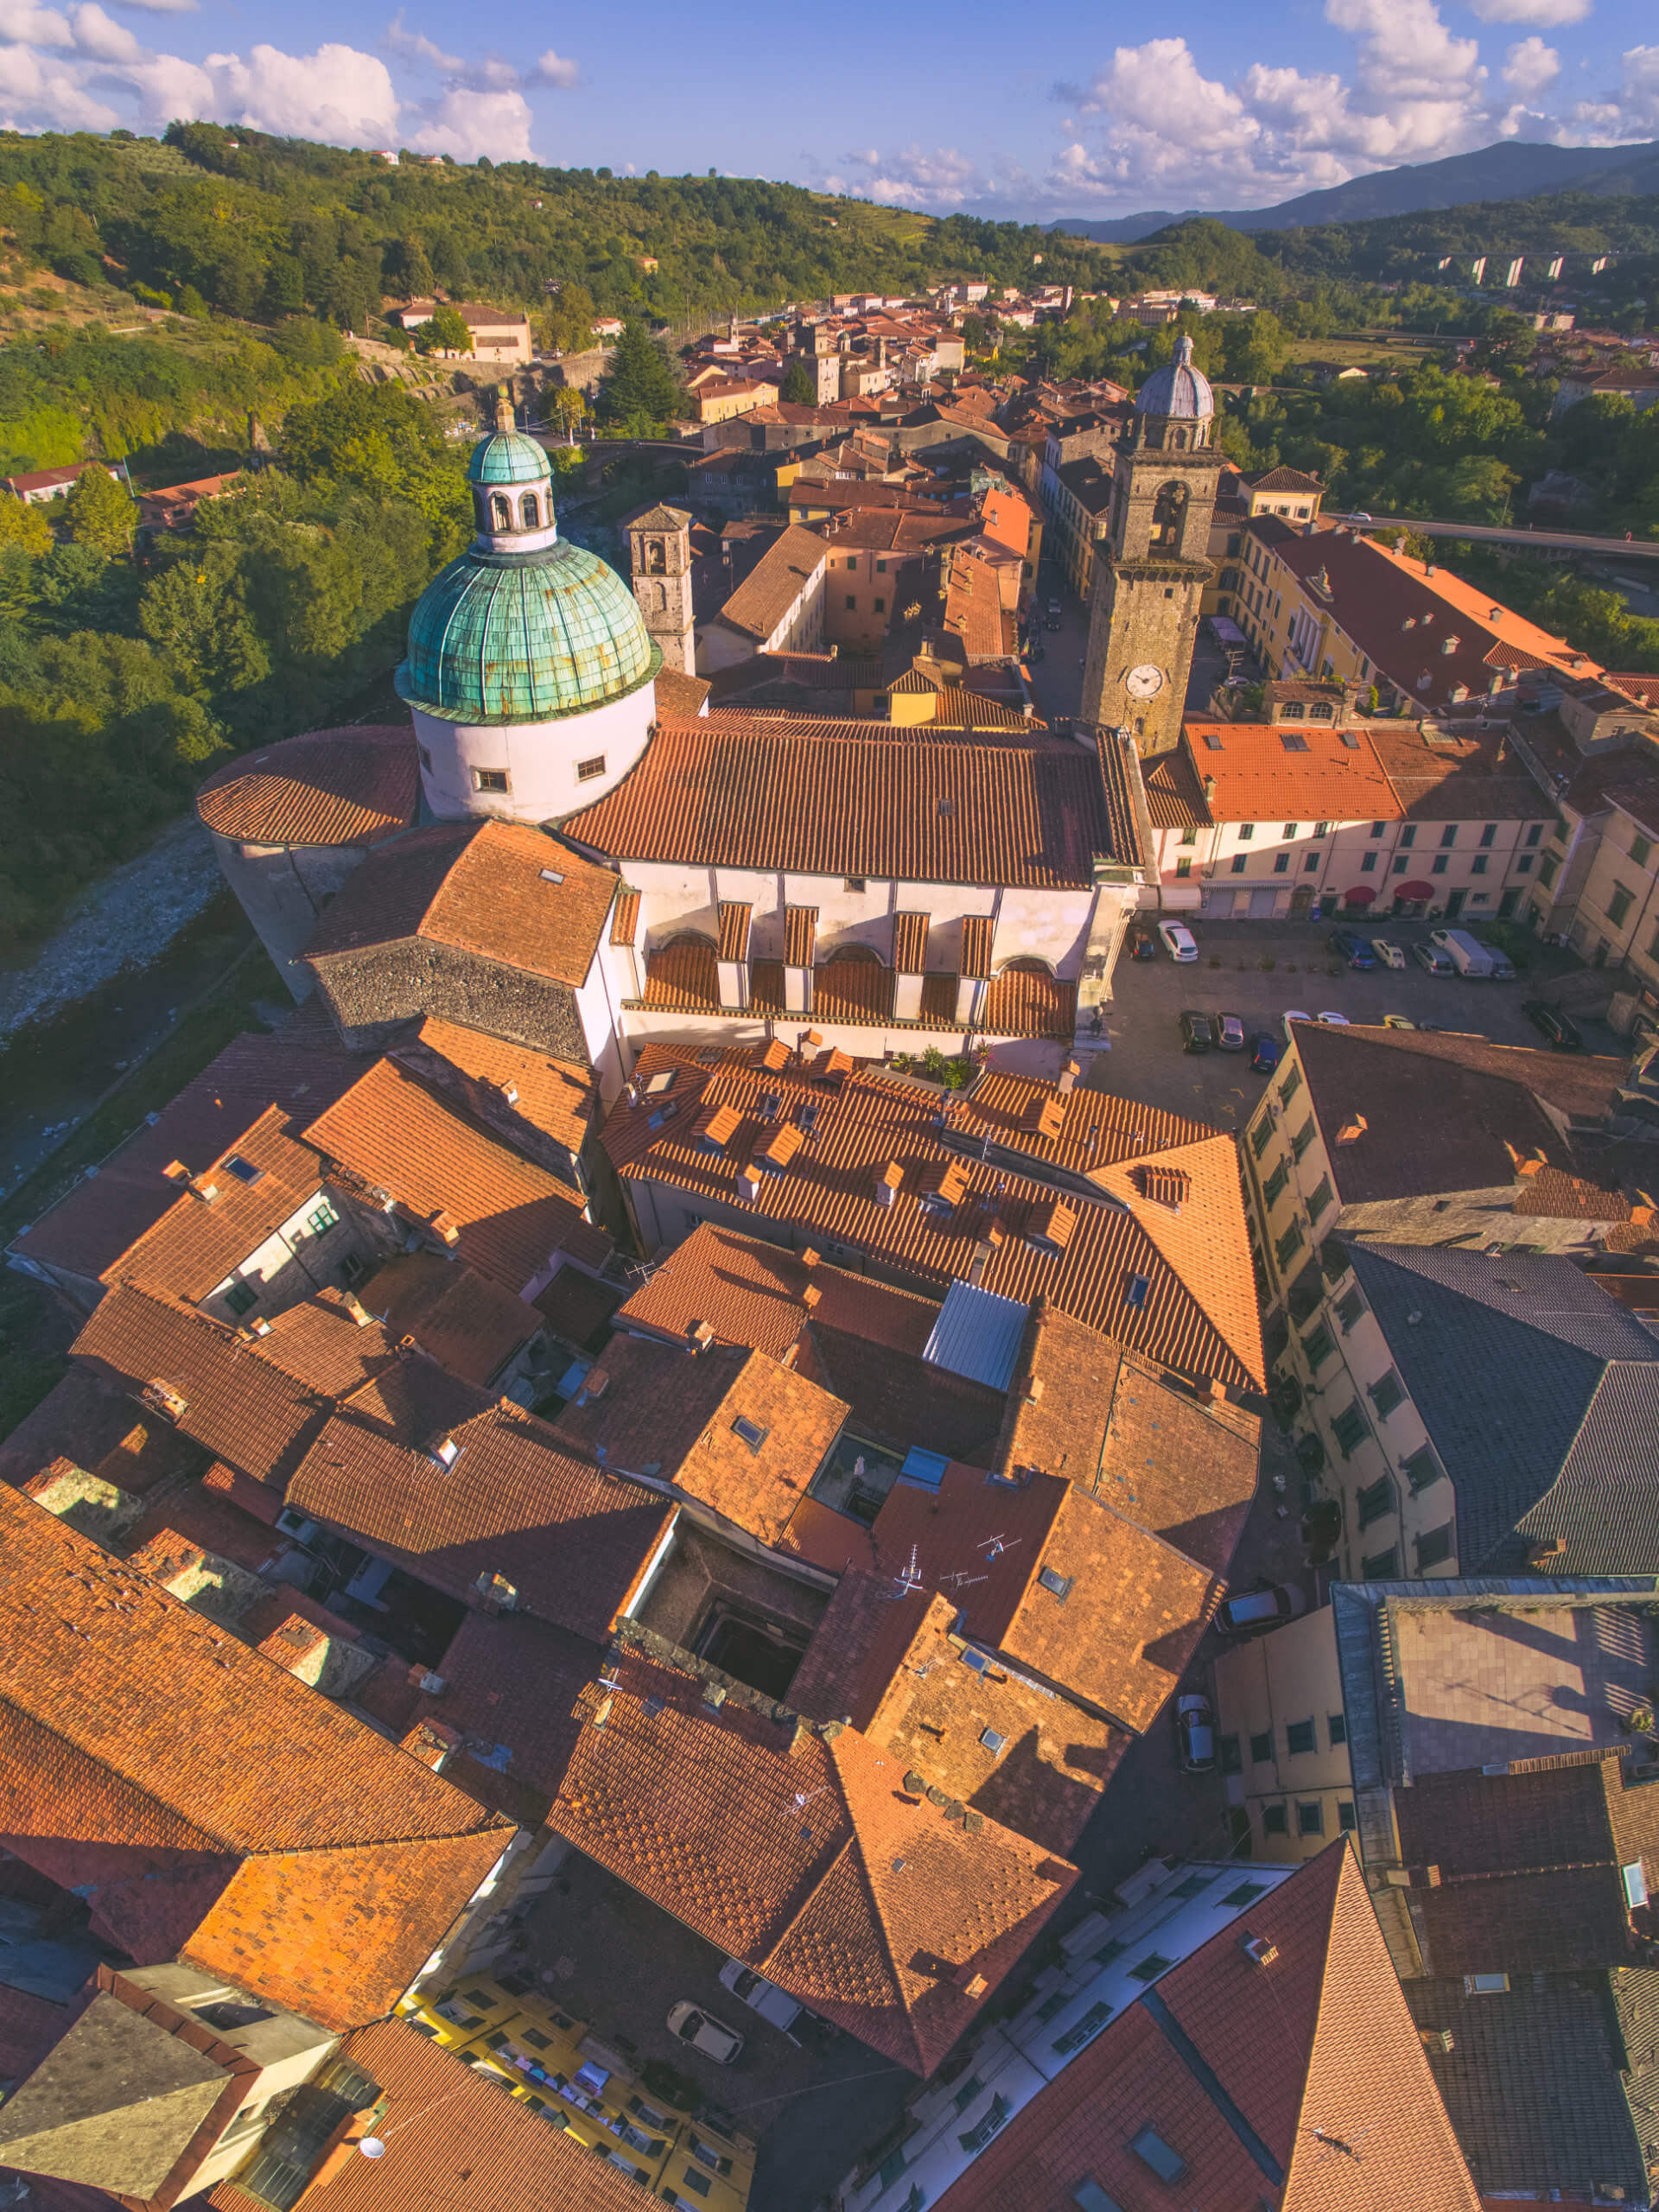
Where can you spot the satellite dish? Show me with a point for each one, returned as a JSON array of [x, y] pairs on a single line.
[[372, 2147]]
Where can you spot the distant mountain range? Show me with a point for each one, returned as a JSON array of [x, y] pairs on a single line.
[[1509, 170]]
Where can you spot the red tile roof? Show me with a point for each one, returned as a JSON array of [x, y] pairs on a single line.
[[554, 1097], [135, 1768], [456, 2142], [751, 1292], [1442, 778], [1119, 1633], [463, 1320], [795, 1851], [502, 890], [254, 1402], [90, 1231], [1336, 2097], [391, 1133], [884, 804], [735, 918], [730, 1428], [573, 1540], [776, 582], [1203, 1326], [354, 787], [624, 917], [1257, 779]]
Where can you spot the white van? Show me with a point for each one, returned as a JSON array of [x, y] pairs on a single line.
[[1466, 954]]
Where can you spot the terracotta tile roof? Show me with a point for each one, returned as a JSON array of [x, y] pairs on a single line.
[[795, 1852], [762, 795], [482, 887], [1111, 1143], [1047, 1574], [1643, 688], [351, 786], [558, 1099], [136, 1770], [897, 1673], [189, 1521], [735, 924], [898, 1399], [578, 1308], [625, 918], [1257, 779], [1341, 2086], [1119, 783], [232, 1395], [960, 709], [751, 1292], [1180, 1464], [1394, 611], [1484, 1099], [90, 1421], [90, 1231], [910, 944], [513, 1501], [682, 974], [974, 614], [1447, 778], [1114, 1274], [1174, 793], [1028, 1001], [800, 936], [391, 1133], [455, 2141], [731, 1428], [776, 582], [463, 1320], [977, 933]]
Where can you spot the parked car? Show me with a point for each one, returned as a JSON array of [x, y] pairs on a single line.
[[1053, 623], [1253, 1611], [1179, 941], [1467, 955], [1349, 946], [1198, 1031], [1264, 1053], [760, 1995], [1229, 1032], [1334, 1021], [1503, 966], [1388, 953], [1551, 1022], [1195, 1725], [1293, 1014], [703, 2032], [1142, 945], [1398, 1021], [1431, 956], [1054, 607]]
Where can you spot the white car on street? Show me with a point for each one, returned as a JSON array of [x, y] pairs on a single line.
[[1388, 955], [704, 2033], [761, 1996], [1179, 941], [1294, 1014]]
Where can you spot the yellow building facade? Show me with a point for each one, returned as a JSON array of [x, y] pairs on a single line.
[[1282, 1738], [506, 2029]]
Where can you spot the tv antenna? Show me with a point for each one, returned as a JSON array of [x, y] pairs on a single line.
[[909, 1578], [994, 1547]]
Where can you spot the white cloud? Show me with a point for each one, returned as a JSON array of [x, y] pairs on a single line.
[[911, 176], [465, 123], [1530, 66], [553, 69], [1632, 111], [418, 47], [1548, 14], [39, 94], [337, 93], [100, 36], [21, 23]]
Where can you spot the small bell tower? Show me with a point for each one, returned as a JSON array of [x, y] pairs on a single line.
[[659, 546]]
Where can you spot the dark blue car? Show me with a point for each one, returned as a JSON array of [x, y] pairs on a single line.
[[1264, 1053], [1353, 948]]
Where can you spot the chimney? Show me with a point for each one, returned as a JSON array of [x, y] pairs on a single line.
[[1069, 1075], [202, 1189], [748, 1184], [699, 1336], [889, 1180], [1437, 2041], [358, 1311], [176, 1172], [1352, 1129], [1209, 790], [810, 1258], [597, 1383], [1258, 1950], [810, 1296], [1548, 1555]]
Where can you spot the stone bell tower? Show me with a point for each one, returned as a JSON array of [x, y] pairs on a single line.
[[1155, 563], [659, 543]]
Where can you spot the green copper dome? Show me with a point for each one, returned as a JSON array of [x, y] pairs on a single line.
[[508, 457], [509, 637]]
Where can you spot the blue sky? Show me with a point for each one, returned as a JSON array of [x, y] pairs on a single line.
[[1058, 110]]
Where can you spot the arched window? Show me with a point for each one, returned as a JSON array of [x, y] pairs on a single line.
[[530, 509], [500, 511], [655, 559], [1169, 516]]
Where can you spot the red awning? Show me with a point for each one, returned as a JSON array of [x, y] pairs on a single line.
[[1361, 897], [1414, 891]]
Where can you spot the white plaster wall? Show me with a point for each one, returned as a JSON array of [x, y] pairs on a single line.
[[540, 759], [598, 1008], [282, 889]]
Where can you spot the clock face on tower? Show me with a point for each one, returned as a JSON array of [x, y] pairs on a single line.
[[1145, 682]]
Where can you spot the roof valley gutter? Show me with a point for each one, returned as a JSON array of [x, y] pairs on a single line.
[[1204, 2074]]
